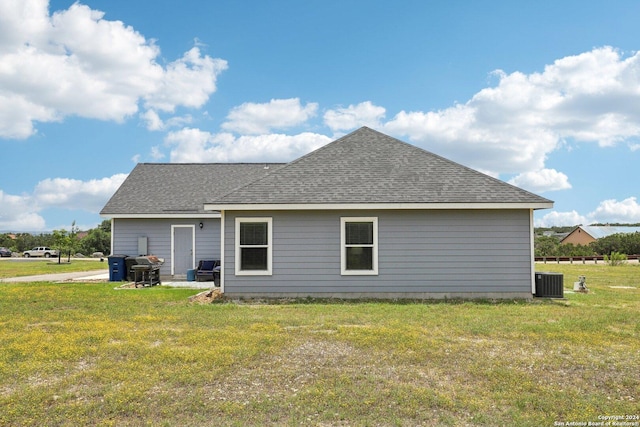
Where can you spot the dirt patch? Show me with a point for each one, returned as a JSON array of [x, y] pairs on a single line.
[[207, 297], [283, 374], [131, 285]]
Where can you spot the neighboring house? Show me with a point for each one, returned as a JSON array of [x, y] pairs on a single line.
[[585, 234], [364, 216]]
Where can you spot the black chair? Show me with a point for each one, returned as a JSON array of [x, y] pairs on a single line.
[[208, 270]]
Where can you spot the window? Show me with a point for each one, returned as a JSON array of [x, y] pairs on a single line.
[[253, 246], [359, 246]]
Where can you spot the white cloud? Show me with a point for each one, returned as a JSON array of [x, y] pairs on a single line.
[[24, 212], [194, 145], [178, 121], [512, 127], [542, 180], [251, 118], [187, 82], [561, 219], [19, 213], [152, 120], [156, 154], [354, 116], [613, 211], [75, 62], [17, 115], [459, 133], [68, 193]]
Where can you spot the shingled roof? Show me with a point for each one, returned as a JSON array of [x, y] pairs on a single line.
[[170, 189], [364, 167], [368, 167]]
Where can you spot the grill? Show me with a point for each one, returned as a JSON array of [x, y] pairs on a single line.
[[146, 271]]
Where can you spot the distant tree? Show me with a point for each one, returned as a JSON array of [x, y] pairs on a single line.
[[105, 226], [74, 242], [617, 224], [570, 249], [66, 241], [546, 246], [26, 241], [550, 246], [97, 240], [557, 230], [625, 243], [7, 242], [60, 241]]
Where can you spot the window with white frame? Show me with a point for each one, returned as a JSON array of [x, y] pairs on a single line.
[[359, 246], [253, 246]]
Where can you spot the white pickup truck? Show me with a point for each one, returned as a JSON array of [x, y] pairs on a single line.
[[40, 251]]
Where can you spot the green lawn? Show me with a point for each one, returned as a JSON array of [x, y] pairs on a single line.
[[32, 267], [86, 354]]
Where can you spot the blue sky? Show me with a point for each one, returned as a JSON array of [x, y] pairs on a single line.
[[544, 95]]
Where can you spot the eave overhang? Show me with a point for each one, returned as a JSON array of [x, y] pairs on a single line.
[[373, 206], [183, 215]]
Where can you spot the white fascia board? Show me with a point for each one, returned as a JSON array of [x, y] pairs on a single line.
[[374, 206], [163, 216]]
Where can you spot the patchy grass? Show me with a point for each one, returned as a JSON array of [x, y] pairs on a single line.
[[32, 267], [86, 354]]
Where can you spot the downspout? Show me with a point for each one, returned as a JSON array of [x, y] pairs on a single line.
[[532, 253], [113, 232], [222, 262]]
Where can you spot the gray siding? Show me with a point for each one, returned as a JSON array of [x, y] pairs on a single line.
[[421, 253], [158, 231]]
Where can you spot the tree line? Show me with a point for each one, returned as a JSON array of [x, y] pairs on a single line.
[[68, 242], [622, 243]]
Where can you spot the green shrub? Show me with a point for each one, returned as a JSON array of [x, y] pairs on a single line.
[[616, 258], [626, 243]]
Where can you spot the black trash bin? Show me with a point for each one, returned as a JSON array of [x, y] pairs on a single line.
[[117, 268]]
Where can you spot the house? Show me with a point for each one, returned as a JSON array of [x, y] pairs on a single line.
[[364, 216], [159, 210], [585, 234]]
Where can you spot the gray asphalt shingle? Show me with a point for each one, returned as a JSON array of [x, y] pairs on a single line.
[[367, 166], [180, 188]]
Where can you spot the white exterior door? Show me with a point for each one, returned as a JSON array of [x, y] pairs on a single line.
[[182, 249]]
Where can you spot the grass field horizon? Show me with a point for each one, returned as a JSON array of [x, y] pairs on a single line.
[[87, 354]]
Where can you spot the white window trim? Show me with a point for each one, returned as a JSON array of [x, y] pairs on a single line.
[[269, 246], [343, 246]]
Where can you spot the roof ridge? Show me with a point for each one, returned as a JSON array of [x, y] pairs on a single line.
[[286, 165], [368, 166], [251, 182], [372, 133], [208, 163]]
